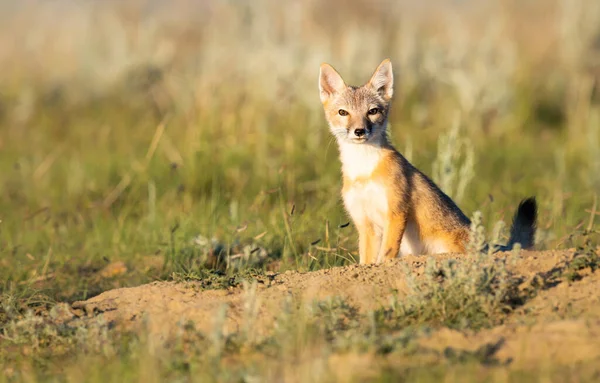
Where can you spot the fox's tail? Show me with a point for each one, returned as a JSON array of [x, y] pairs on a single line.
[[524, 224]]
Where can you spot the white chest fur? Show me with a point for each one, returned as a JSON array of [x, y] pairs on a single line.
[[365, 200], [359, 160], [367, 203]]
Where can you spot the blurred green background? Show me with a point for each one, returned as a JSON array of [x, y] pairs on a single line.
[[142, 140]]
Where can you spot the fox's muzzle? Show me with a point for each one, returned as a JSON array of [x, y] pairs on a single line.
[[360, 132]]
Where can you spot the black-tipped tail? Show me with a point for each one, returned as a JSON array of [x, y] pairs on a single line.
[[524, 224]]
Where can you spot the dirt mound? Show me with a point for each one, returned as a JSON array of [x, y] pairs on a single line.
[[564, 315]]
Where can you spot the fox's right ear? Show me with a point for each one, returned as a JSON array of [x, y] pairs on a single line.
[[330, 82]]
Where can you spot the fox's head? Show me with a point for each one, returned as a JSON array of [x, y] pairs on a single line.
[[357, 114]]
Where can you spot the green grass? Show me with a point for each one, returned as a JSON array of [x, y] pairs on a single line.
[[139, 143], [65, 214]]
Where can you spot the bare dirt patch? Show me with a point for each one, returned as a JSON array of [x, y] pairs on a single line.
[[561, 323]]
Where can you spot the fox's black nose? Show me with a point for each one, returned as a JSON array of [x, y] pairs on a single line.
[[359, 132]]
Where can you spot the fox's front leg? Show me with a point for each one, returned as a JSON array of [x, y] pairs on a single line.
[[368, 243], [392, 236]]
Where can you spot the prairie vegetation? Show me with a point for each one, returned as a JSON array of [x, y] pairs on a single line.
[[185, 141]]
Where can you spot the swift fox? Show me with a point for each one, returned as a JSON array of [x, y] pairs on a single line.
[[396, 208]]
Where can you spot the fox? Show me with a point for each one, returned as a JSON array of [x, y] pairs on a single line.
[[396, 209]]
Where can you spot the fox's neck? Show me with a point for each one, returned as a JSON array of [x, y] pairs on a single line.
[[360, 160]]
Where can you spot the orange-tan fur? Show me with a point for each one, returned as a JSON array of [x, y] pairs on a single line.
[[395, 208]]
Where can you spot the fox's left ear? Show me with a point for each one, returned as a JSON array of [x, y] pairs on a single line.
[[383, 80]]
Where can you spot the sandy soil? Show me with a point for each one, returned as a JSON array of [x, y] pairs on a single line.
[[561, 324]]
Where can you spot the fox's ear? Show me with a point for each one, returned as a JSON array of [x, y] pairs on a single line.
[[330, 82], [383, 80]]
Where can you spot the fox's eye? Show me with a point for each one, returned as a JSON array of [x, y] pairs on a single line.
[[342, 112], [373, 111]]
